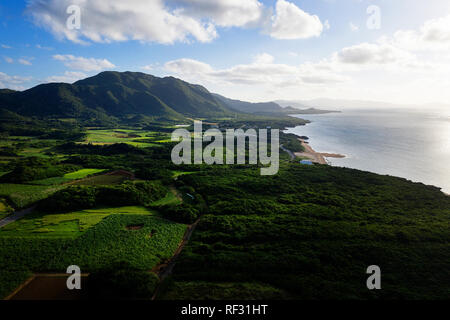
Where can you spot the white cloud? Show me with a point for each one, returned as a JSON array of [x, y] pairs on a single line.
[[170, 21], [12, 82], [188, 66], [370, 53], [434, 35], [118, 20], [224, 13], [25, 62], [9, 60], [84, 64], [68, 77], [262, 71], [409, 67], [4, 46], [264, 58], [150, 67], [291, 22]]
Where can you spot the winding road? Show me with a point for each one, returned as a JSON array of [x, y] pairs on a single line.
[[291, 154]]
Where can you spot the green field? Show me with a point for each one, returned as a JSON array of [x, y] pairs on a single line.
[[137, 138], [22, 195], [80, 174], [83, 173], [66, 225], [111, 242], [108, 241], [170, 198]]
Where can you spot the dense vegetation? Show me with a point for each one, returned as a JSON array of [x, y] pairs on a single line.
[[35, 168], [311, 232], [110, 242], [308, 232], [121, 281], [85, 197]]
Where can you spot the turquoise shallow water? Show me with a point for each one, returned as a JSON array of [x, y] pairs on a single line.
[[409, 144]]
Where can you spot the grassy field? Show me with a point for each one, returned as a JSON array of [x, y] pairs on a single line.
[[50, 243], [137, 138], [111, 241], [83, 173], [22, 195], [80, 174], [170, 198], [67, 225]]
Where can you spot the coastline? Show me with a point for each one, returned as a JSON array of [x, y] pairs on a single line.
[[314, 156]]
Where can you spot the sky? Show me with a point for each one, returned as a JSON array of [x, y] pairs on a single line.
[[396, 51]]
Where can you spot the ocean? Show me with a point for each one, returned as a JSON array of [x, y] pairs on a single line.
[[405, 143]]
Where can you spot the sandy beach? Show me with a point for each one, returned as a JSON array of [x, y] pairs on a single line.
[[316, 157]]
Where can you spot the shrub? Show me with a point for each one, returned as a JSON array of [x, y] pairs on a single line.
[[72, 198], [121, 281], [183, 214]]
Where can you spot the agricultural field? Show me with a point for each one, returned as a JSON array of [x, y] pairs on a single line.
[[83, 173], [25, 146], [141, 240], [137, 138], [23, 195], [77, 175], [65, 225], [111, 235]]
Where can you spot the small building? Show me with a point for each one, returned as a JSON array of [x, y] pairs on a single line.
[[307, 162]]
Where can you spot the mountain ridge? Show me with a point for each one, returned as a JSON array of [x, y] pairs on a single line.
[[115, 94]]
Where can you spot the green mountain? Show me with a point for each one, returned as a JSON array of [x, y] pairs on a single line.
[[249, 107], [118, 95]]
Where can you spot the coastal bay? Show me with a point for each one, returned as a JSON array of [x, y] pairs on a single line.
[[405, 143]]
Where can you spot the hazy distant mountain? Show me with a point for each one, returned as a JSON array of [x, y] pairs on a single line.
[[115, 94], [337, 104], [259, 108], [249, 107]]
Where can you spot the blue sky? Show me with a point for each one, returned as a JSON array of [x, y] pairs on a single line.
[[260, 50]]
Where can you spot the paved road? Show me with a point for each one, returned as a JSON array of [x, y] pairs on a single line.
[[289, 152], [15, 216]]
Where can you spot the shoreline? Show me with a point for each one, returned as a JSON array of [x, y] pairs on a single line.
[[314, 156]]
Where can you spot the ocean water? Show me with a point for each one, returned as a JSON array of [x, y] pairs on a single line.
[[404, 143]]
